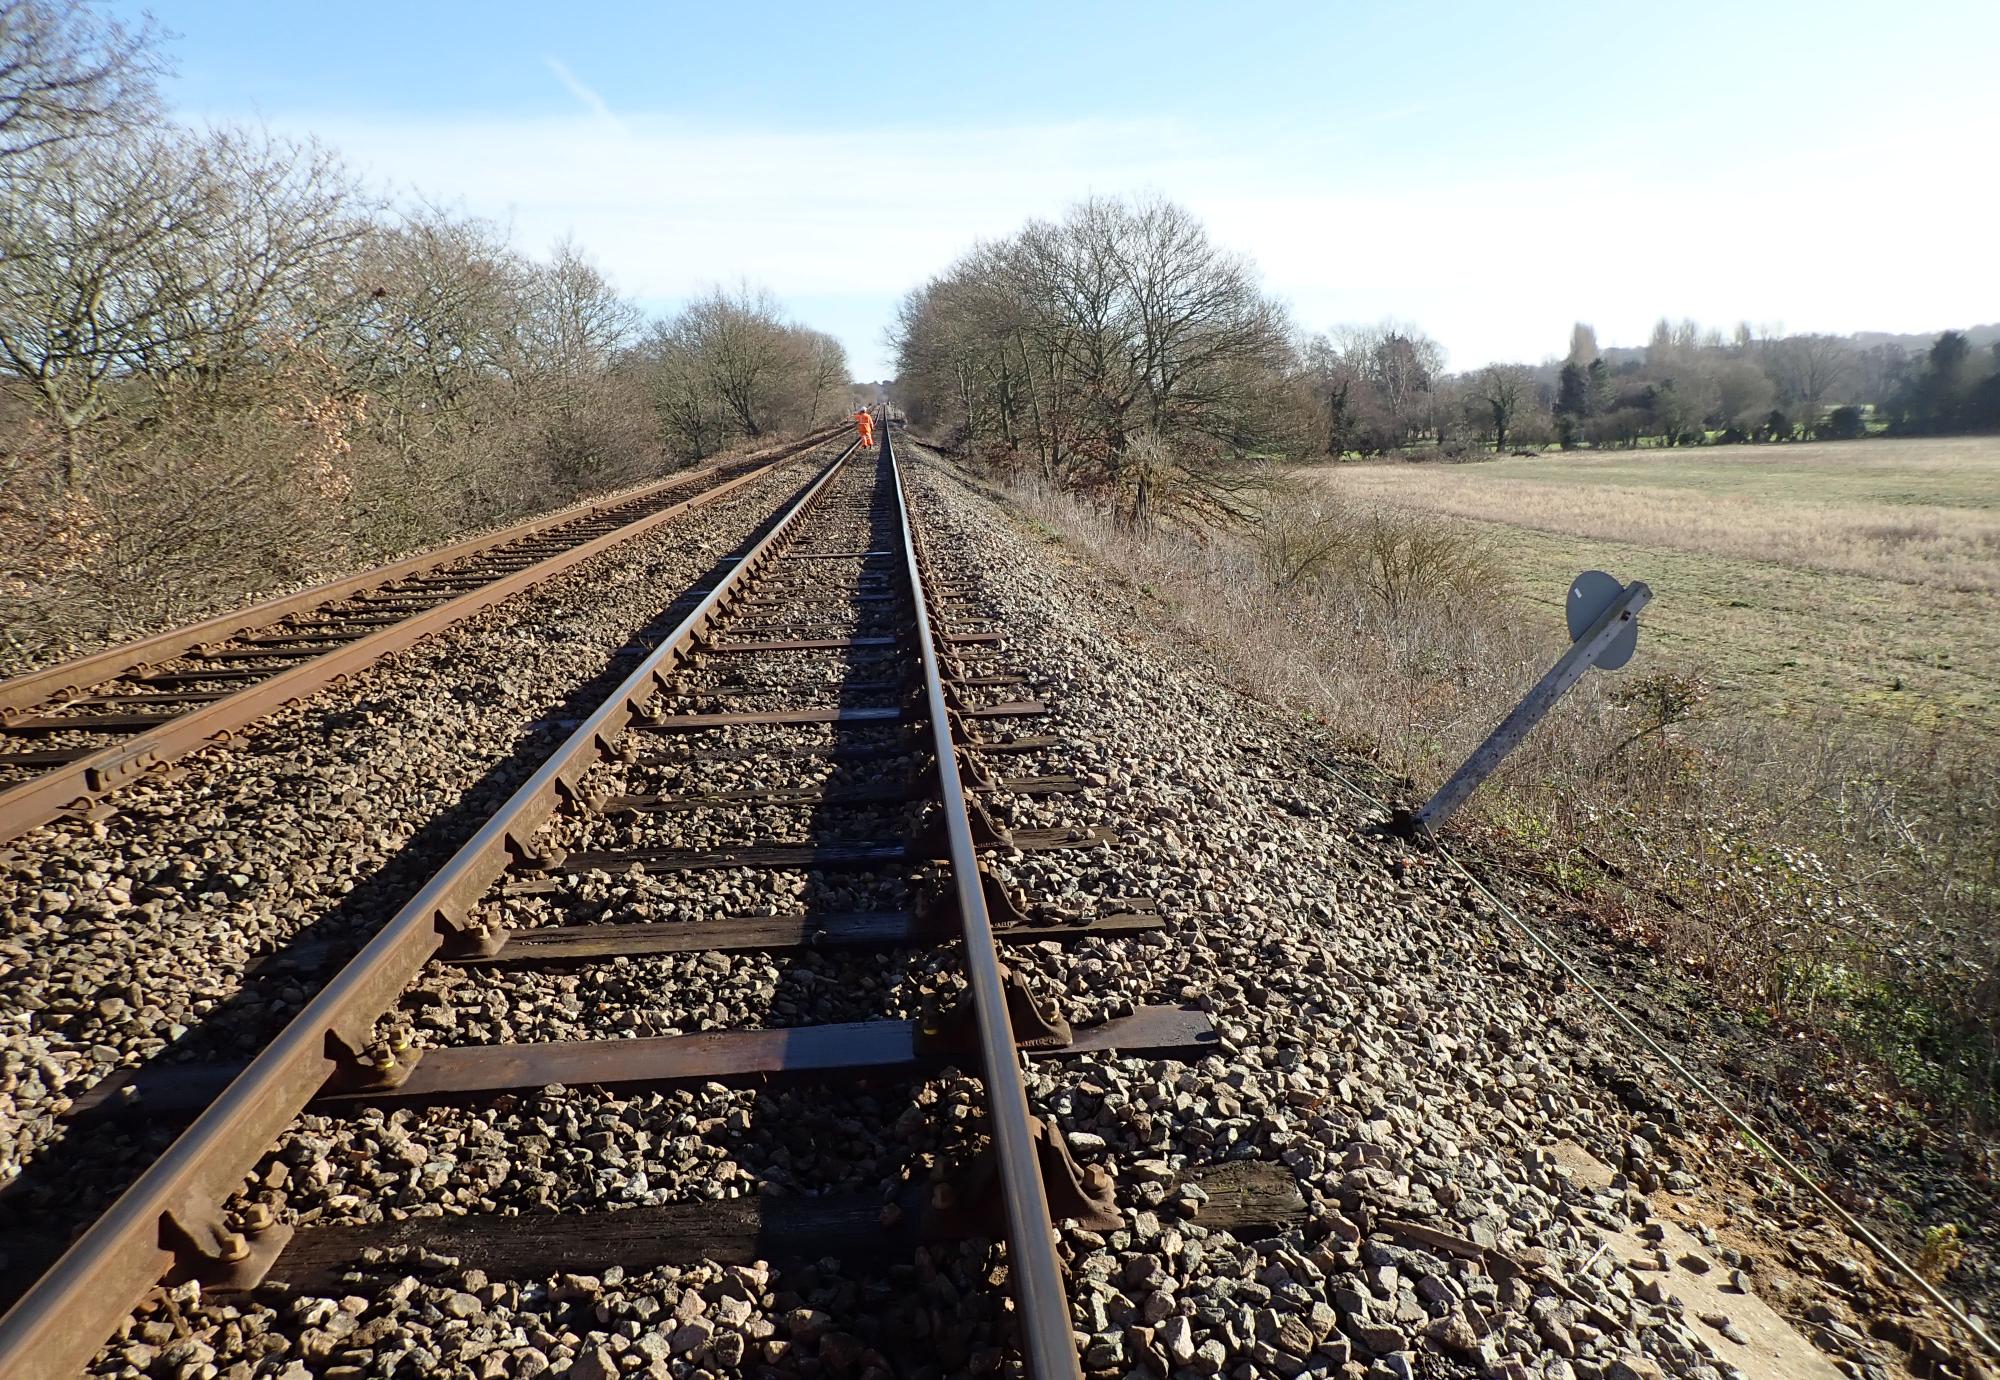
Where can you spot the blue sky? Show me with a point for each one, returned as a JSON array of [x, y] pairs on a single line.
[[1488, 171]]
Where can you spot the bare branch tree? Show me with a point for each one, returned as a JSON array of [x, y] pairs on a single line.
[[1504, 390], [730, 364], [1807, 370], [67, 74], [1072, 338], [81, 297], [826, 374]]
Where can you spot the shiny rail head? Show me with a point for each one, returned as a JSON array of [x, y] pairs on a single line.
[[1042, 1316]]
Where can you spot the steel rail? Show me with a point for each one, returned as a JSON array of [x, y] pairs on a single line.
[[32, 688], [59, 1324], [1047, 1342], [42, 798]]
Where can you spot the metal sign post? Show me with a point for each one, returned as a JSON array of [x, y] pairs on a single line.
[[1604, 629]]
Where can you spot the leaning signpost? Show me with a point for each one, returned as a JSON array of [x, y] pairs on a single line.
[[1603, 629]]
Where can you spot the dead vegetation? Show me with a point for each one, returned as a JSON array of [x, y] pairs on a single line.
[[1831, 521], [1820, 871]]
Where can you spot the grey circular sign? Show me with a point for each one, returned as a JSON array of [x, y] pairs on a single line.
[[1590, 594]]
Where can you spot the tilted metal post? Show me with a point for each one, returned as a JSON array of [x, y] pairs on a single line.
[[1583, 653]]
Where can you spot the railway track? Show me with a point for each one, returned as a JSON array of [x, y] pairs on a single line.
[[72, 735], [812, 763]]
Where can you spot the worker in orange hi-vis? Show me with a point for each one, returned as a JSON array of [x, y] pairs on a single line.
[[864, 422]]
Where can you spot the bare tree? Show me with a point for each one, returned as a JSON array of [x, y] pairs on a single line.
[[67, 74], [572, 326], [577, 321], [247, 276], [1743, 393], [88, 280], [1072, 337], [429, 326], [1404, 365], [1203, 326], [1503, 390], [1334, 379], [1672, 344], [747, 350], [729, 364], [1807, 370], [222, 367], [690, 411], [826, 374]]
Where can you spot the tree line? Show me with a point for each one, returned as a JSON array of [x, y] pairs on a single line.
[[226, 365], [1690, 386], [1120, 349]]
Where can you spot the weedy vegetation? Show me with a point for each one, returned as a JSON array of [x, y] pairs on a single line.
[[1816, 869]]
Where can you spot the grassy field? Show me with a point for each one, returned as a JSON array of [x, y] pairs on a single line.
[[1847, 577]]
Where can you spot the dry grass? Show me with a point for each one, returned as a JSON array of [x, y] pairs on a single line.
[[1918, 512], [1817, 867], [1849, 580]]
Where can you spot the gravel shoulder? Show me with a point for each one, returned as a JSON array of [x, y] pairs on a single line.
[[1390, 1037]]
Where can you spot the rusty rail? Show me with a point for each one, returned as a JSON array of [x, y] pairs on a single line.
[[1035, 1274], [171, 1223], [172, 1215], [46, 796]]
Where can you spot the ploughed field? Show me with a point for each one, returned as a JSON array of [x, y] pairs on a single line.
[[1859, 576]]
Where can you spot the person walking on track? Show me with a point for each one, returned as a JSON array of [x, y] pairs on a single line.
[[864, 422]]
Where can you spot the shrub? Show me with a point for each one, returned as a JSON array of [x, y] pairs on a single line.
[[1842, 424]]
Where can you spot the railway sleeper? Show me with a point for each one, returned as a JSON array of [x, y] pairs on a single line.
[[822, 714], [776, 599], [776, 933], [797, 644], [889, 794], [1244, 1197], [195, 677], [901, 685], [836, 753], [450, 1073], [38, 724], [804, 854], [164, 697]]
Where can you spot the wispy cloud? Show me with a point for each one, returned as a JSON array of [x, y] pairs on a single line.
[[590, 100]]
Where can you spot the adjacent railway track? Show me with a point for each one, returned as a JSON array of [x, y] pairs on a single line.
[[73, 734], [860, 724]]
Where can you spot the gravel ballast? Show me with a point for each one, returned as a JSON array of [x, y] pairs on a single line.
[[1432, 1085], [1387, 1036], [207, 909]]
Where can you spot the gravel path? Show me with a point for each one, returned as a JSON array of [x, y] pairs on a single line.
[[1385, 1037], [207, 909]]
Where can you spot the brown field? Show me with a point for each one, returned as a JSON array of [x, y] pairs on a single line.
[[1848, 577]]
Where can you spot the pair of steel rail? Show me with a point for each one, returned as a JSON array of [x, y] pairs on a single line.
[[171, 1222], [330, 637]]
